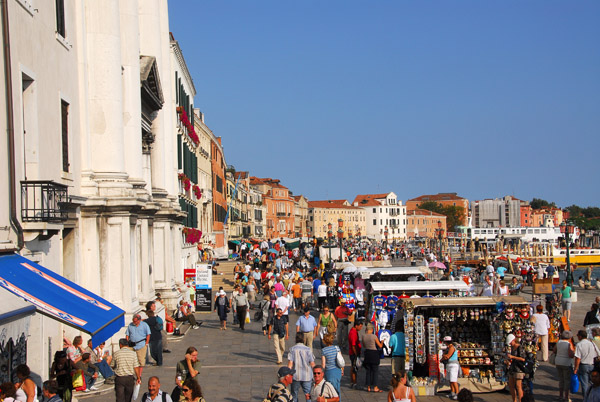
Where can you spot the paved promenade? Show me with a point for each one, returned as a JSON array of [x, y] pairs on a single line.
[[240, 366]]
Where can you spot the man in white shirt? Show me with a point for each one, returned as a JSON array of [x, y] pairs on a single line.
[[322, 391], [542, 325], [488, 287], [283, 302], [322, 294], [585, 352]]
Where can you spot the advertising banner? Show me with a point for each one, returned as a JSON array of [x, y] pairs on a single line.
[[203, 276]]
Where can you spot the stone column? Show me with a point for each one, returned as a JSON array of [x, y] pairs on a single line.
[[132, 108], [105, 92]]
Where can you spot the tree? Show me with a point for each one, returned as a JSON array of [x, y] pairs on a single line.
[[454, 214], [538, 203]]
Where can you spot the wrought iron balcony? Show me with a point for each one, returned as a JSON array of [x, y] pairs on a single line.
[[43, 201]]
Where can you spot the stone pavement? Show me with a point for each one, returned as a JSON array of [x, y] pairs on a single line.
[[240, 366]]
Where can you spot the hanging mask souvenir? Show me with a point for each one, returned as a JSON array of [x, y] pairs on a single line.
[[510, 314]]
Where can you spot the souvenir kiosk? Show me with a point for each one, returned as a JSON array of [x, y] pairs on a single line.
[[478, 327]]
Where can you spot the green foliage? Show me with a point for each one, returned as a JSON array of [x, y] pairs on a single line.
[[454, 214], [538, 203], [585, 218]]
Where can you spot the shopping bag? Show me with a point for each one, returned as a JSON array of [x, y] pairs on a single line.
[[136, 392], [574, 383], [78, 380], [247, 317]]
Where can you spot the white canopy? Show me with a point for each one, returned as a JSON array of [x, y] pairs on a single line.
[[417, 286], [418, 271]]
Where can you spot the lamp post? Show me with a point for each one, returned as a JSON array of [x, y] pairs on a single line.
[[329, 234], [385, 233], [341, 237], [567, 229], [440, 232]]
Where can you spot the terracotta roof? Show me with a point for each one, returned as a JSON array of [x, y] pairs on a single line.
[[423, 212], [364, 200], [438, 197], [340, 204], [241, 175]]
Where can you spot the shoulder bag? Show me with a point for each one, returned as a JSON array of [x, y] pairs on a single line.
[[339, 358]]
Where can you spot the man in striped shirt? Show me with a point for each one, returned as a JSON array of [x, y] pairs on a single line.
[[128, 371], [302, 360]]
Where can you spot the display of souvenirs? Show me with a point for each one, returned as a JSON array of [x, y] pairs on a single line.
[[409, 324], [420, 353]]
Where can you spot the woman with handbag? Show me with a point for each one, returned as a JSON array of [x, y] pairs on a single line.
[[332, 361], [326, 323], [371, 344], [222, 308], [564, 351]]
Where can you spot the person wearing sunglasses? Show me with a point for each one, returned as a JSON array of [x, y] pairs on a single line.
[[191, 391], [322, 391]]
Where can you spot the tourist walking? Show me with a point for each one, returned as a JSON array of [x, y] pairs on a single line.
[[564, 351], [585, 353], [222, 308], [50, 391], [302, 360], [279, 392], [307, 327], [156, 348], [322, 390], [26, 387], [326, 323], [398, 347], [342, 314], [593, 394], [354, 349], [280, 330], [334, 368], [515, 374], [61, 371], [155, 394], [240, 300], [138, 333], [400, 391], [371, 344], [565, 298], [128, 371], [186, 369], [191, 391], [541, 327], [267, 317]]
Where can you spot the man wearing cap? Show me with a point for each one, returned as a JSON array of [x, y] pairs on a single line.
[[278, 391], [302, 360], [452, 366], [307, 327]]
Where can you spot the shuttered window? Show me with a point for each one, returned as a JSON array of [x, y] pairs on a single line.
[[60, 18], [64, 108]]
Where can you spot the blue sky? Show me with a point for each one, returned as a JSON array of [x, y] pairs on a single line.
[[338, 98]]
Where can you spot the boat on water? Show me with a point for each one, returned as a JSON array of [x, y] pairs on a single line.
[[580, 256]]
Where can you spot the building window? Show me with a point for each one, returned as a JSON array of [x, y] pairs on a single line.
[[60, 18], [64, 109], [374, 222]]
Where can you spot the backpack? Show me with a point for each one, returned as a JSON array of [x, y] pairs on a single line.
[[164, 396]]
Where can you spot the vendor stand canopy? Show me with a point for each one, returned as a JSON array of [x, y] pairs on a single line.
[[60, 298], [404, 271], [420, 286], [466, 301]]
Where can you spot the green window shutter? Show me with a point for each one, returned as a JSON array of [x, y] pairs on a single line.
[[179, 155]]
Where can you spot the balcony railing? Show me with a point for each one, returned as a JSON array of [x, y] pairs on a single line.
[[43, 201], [281, 214]]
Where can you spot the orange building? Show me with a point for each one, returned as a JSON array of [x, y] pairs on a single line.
[[446, 199], [424, 223], [526, 217], [279, 207], [547, 216], [219, 190]]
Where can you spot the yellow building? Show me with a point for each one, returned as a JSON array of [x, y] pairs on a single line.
[[321, 213]]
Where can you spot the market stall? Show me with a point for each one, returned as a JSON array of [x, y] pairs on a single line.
[[478, 327]]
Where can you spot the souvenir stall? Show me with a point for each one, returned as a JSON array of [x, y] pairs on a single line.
[[478, 327], [385, 298]]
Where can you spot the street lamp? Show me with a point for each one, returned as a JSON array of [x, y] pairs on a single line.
[[440, 232], [329, 235], [341, 236], [385, 233], [567, 230]]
